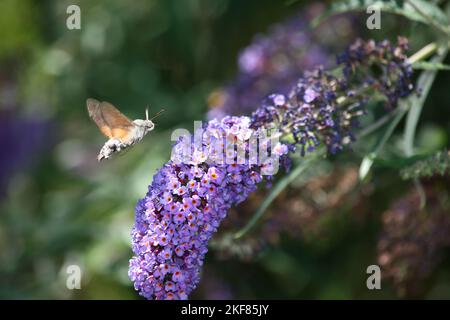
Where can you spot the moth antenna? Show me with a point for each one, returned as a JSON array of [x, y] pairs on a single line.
[[157, 114], [146, 113]]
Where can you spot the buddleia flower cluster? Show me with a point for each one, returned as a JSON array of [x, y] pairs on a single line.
[[186, 202], [325, 109], [218, 167], [380, 66]]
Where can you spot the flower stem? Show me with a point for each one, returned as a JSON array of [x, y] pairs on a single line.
[[423, 53]]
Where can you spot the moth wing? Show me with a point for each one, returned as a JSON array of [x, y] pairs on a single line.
[[119, 124], [95, 113], [111, 122]]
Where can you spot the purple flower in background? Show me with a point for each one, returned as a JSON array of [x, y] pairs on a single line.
[[274, 61], [21, 139]]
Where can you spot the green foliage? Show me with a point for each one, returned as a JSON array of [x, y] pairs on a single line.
[[18, 28], [437, 164], [382, 139], [400, 7], [424, 83], [425, 65]]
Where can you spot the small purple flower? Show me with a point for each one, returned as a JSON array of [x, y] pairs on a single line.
[[186, 206], [195, 201], [191, 218], [181, 190], [177, 276], [179, 251], [165, 255], [250, 60], [280, 149], [310, 95], [173, 207], [192, 184], [170, 286], [163, 240], [215, 175], [179, 217], [279, 99], [167, 198], [174, 184]]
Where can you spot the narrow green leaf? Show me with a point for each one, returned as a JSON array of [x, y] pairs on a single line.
[[399, 7], [397, 162], [432, 66], [369, 159], [424, 83]]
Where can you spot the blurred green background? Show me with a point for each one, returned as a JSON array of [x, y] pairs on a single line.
[[58, 206]]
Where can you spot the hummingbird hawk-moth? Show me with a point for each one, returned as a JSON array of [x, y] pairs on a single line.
[[121, 131]]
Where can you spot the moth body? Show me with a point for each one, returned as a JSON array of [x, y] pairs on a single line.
[[141, 128]]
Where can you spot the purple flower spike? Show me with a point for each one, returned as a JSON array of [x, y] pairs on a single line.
[[183, 209]]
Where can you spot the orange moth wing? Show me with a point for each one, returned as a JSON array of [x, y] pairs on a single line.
[[112, 122]]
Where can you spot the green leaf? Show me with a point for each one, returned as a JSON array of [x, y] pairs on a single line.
[[397, 161], [399, 7], [432, 66], [424, 83], [383, 137]]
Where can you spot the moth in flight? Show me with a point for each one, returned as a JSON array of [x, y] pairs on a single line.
[[121, 131]]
